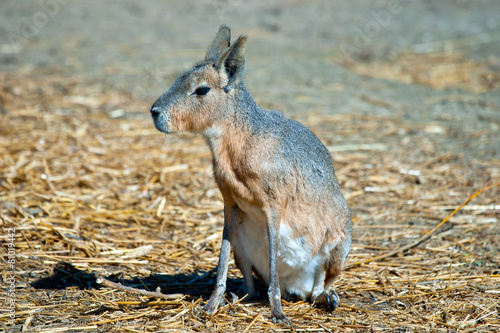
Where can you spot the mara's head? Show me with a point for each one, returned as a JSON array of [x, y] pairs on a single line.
[[199, 96]]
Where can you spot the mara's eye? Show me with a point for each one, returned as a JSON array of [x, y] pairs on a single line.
[[201, 91]]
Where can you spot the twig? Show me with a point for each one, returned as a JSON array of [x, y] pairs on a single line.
[[150, 303], [428, 235], [135, 291]]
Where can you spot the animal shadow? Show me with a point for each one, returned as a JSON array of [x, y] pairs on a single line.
[[194, 286]]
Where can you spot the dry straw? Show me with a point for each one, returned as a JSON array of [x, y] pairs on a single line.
[[105, 206]]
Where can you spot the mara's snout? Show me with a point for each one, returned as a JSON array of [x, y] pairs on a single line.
[[160, 118]]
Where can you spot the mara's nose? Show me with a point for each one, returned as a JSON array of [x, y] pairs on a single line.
[[155, 112]]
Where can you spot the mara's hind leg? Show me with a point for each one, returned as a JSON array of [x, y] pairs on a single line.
[[326, 274], [321, 295]]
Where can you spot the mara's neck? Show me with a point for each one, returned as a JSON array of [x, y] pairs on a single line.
[[234, 122], [228, 140]]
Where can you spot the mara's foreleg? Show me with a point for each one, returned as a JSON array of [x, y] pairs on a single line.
[[231, 220], [274, 293]]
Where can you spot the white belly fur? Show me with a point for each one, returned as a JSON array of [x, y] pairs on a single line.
[[296, 264]]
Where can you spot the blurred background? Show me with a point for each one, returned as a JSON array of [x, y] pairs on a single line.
[[415, 60]]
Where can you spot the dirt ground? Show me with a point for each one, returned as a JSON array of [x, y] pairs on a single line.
[[405, 94]]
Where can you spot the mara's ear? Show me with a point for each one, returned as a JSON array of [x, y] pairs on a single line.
[[219, 44], [232, 61]]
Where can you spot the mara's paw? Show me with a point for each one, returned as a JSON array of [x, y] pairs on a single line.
[[202, 313], [279, 318], [209, 308], [327, 299], [277, 315]]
